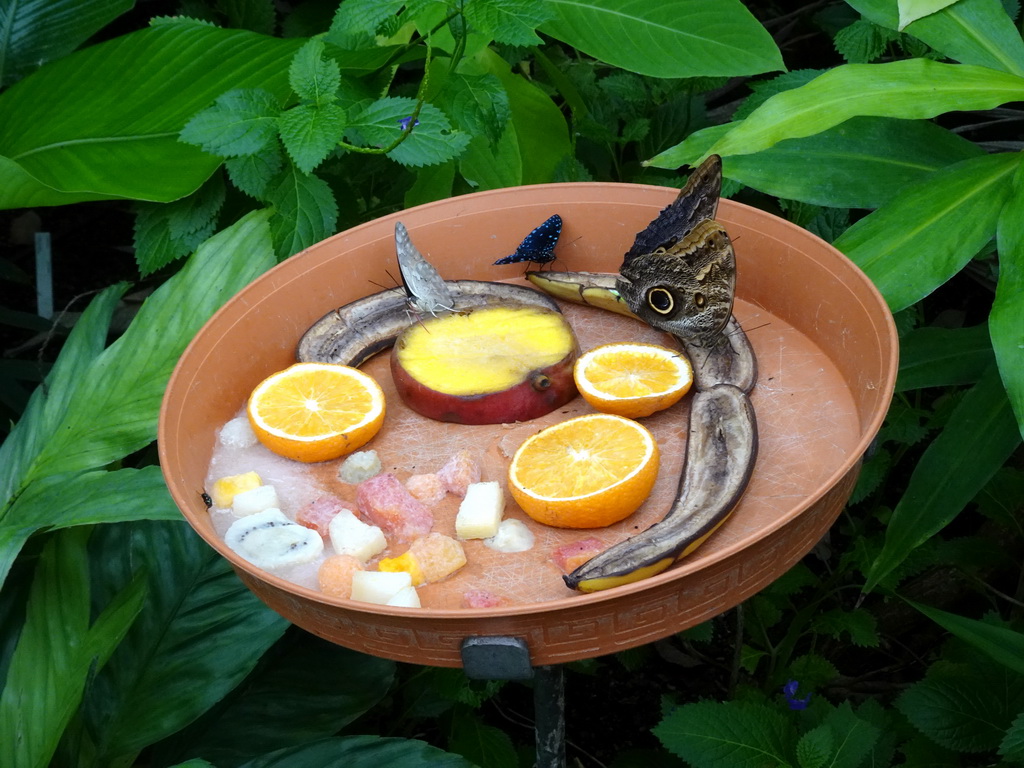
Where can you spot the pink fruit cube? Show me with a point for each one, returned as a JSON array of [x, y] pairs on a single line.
[[481, 598], [427, 488], [459, 472], [438, 556], [387, 504], [571, 556], [318, 514], [335, 575]]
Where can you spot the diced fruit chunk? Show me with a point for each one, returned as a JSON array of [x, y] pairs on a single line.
[[459, 472], [386, 503], [224, 490], [378, 586], [335, 575], [270, 540], [426, 488], [254, 500], [438, 556], [512, 536], [481, 598], [351, 536], [480, 511], [359, 466], [571, 556], [406, 562], [318, 514], [407, 597]]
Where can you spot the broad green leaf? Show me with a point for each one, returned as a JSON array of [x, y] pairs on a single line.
[[253, 173], [36, 31], [99, 497], [969, 31], [310, 133], [239, 122], [1004, 321], [862, 163], [511, 22], [912, 10], [693, 39], [740, 735], [58, 651], [480, 743], [854, 737], [199, 634], [305, 211], [1012, 746], [311, 690], [167, 231], [432, 183], [431, 141], [103, 122], [487, 166], [478, 104], [113, 411], [361, 752], [1003, 645], [815, 747], [912, 89], [964, 707], [917, 241], [943, 357], [978, 438], [314, 78], [49, 403], [863, 41]]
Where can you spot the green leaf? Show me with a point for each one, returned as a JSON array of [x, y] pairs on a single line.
[[854, 737], [964, 707], [32, 33], [815, 747], [812, 671], [309, 691], [492, 167], [862, 42], [103, 122], [359, 19], [116, 403], [980, 435], [314, 78], [99, 497], [712, 734], [1004, 321], [912, 10], [1012, 745], [253, 173], [913, 89], [431, 141], [58, 651], [167, 231], [858, 624], [920, 239], [200, 633], [478, 104], [969, 31], [306, 211], [1003, 645], [692, 39], [240, 122], [310, 133], [509, 21], [432, 183], [943, 357], [479, 743], [361, 752]]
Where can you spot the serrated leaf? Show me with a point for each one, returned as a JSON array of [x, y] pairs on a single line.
[[305, 211], [478, 104], [313, 77], [1012, 746], [912, 10], [943, 357], [82, 127], [858, 625], [854, 737], [310, 133], [964, 707], [431, 141], [719, 37], [862, 42], [980, 435], [167, 231], [32, 33], [812, 671], [926, 234], [1008, 308], [240, 122], [253, 173], [481, 744], [361, 17], [969, 31], [712, 734], [509, 21], [815, 747]]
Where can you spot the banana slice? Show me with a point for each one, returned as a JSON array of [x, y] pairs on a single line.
[[270, 540]]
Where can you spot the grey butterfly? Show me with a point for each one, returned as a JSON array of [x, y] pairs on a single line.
[[426, 290]]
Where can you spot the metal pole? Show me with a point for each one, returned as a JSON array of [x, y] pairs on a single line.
[[549, 715]]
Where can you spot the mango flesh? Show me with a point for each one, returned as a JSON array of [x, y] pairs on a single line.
[[490, 365]]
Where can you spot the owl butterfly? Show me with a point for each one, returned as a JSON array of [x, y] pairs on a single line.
[[680, 274]]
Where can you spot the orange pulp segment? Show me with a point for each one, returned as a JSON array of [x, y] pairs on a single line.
[[632, 380]]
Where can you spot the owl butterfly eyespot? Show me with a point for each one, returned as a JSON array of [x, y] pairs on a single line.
[[680, 274]]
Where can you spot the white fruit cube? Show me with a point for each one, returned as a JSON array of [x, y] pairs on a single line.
[[480, 511], [512, 536], [379, 586], [254, 500], [407, 597], [351, 536]]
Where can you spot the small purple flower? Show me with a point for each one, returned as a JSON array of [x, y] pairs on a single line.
[[789, 691], [404, 122]]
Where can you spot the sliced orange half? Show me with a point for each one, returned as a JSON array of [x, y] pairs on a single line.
[[586, 472], [316, 411], [632, 380]]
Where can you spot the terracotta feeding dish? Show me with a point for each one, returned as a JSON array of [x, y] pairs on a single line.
[[826, 350]]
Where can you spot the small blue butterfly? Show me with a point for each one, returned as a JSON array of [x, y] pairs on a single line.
[[539, 245]]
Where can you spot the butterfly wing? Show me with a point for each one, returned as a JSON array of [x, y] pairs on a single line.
[[697, 201], [539, 245], [426, 289]]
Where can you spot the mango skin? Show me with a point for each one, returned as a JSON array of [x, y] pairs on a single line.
[[536, 392]]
